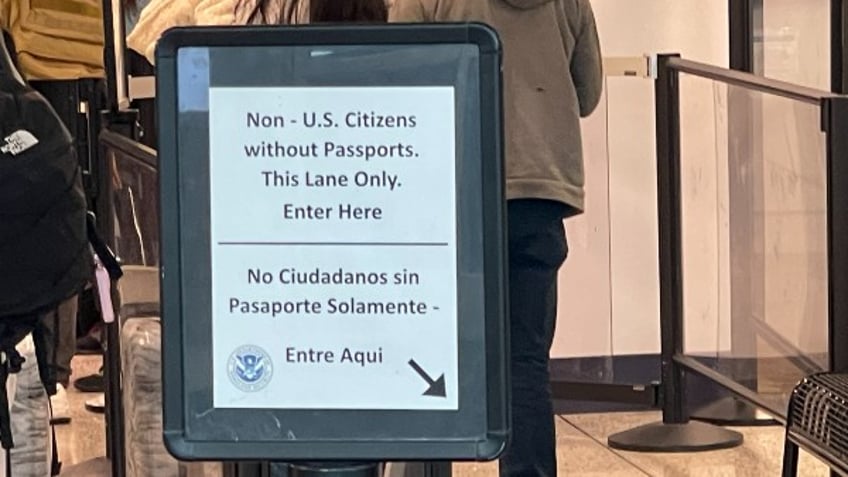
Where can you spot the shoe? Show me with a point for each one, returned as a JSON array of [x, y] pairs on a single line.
[[60, 409], [91, 384], [97, 404], [88, 345]]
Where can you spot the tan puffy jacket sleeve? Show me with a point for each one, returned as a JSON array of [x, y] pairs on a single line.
[[5, 13], [408, 11], [161, 15]]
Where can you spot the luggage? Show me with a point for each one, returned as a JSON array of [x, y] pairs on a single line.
[[29, 406], [146, 455], [141, 368], [142, 389]]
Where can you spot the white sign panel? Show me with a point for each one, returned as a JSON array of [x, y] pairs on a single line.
[[333, 215]]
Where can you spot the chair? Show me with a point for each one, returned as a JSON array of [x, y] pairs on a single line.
[[817, 422]]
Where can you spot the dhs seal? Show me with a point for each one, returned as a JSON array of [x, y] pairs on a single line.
[[250, 368]]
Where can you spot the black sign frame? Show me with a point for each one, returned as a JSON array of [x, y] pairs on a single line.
[[452, 435]]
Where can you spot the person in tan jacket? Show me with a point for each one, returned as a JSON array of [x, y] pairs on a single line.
[[55, 41], [552, 77]]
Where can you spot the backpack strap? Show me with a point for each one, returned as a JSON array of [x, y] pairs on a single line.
[[5, 413], [55, 465], [10, 362], [110, 262]]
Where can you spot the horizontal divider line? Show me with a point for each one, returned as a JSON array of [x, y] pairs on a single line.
[[336, 244]]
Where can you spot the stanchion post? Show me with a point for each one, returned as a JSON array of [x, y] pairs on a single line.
[[836, 125], [121, 122], [838, 50], [675, 433], [370, 469], [113, 452], [113, 30], [667, 97], [247, 469]]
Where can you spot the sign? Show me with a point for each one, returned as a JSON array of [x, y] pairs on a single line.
[[332, 243], [334, 247]]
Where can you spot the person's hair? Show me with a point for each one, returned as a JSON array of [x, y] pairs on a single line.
[[270, 12], [341, 11]]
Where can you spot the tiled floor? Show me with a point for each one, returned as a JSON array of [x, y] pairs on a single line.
[[85, 437], [760, 455], [582, 447]]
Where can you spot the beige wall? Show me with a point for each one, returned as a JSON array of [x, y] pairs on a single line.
[[609, 287]]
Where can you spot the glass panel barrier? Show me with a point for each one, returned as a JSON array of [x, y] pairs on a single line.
[[133, 203], [754, 235]]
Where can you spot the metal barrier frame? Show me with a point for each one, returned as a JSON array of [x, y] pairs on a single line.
[[835, 126], [115, 441], [675, 363]]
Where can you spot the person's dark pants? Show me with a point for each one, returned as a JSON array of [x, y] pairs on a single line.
[[537, 250], [54, 333], [66, 342]]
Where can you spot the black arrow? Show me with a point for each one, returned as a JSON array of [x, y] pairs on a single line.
[[437, 387]]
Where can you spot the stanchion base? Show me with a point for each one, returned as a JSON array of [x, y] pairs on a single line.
[[689, 437], [732, 411]]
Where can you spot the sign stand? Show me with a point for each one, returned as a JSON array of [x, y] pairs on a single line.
[[336, 470], [333, 245]]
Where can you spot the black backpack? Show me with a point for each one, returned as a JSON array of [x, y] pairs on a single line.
[[45, 256]]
